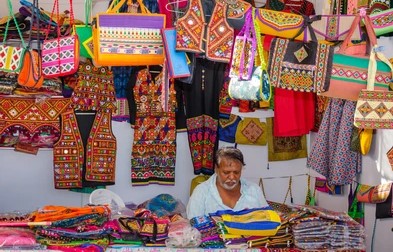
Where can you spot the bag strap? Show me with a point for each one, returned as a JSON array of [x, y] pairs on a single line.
[[262, 187], [247, 31], [55, 10], [266, 87], [307, 26], [88, 5], [372, 66], [12, 16], [116, 5], [355, 25]]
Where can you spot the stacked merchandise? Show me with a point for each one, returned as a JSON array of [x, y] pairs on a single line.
[[70, 227], [209, 232], [323, 229]]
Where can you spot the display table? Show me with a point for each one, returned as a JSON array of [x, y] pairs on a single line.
[[163, 249]]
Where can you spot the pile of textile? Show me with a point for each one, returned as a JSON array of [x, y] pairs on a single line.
[[73, 226], [323, 229]]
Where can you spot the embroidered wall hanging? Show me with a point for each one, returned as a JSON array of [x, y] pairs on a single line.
[[35, 122]]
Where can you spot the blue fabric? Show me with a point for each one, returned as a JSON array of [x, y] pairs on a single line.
[[205, 198]]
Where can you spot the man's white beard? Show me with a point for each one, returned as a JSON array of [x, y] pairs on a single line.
[[229, 187]]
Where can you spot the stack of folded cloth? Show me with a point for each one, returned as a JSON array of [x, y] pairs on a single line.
[[209, 232]]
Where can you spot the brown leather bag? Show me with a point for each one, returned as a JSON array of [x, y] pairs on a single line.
[[30, 74]]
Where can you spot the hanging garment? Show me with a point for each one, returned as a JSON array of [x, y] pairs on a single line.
[[85, 160], [94, 89], [190, 29], [201, 106], [154, 146], [294, 112], [31, 121], [331, 155]]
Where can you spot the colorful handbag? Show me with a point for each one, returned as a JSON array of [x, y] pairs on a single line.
[[227, 128], [11, 57], [335, 27], [251, 131], [60, 56], [374, 108], [31, 73], [244, 50], [130, 39], [350, 66], [85, 34], [281, 24], [382, 22], [373, 194], [300, 66]]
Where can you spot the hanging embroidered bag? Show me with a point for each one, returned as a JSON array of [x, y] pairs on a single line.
[[85, 34], [131, 39], [258, 88], [349, 71], [300, 66], [60, 56], [244, 50], [374, 108], [373, 194], [11, 57], [31, 73], [382, 22]]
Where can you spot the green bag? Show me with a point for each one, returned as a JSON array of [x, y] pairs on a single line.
[[85, 34]]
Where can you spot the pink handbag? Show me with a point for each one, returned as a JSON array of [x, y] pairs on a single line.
[[60, 56], [350, 66]]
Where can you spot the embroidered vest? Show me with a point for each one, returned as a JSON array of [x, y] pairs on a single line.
[[69, 152], [190, 29]]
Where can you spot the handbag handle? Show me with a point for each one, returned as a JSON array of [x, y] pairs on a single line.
[[56, 6], [248, 31], [355, 24], [114, 7], [12, 15], [88, 4], [266, 87], [372, 66]]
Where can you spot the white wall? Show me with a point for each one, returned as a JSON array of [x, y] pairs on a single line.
[[26, 181]]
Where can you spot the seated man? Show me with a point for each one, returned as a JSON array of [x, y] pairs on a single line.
[[225, 189]]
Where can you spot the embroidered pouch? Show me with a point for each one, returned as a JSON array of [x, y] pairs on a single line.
[[389, 154], [373, 194], [335, 27], [251, 131], [300, 66], [385, 209], [250, 90], [382, 22], [227, 128], [281, 24], [130, 39]]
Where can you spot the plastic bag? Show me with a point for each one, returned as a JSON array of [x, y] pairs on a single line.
[[182, 235]]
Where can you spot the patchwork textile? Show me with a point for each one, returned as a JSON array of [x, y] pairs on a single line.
[[331, 155], [154, 146], [75, 162], [35, 122]]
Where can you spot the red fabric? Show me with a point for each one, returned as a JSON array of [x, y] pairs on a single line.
[[168, 14], [294, 112]]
